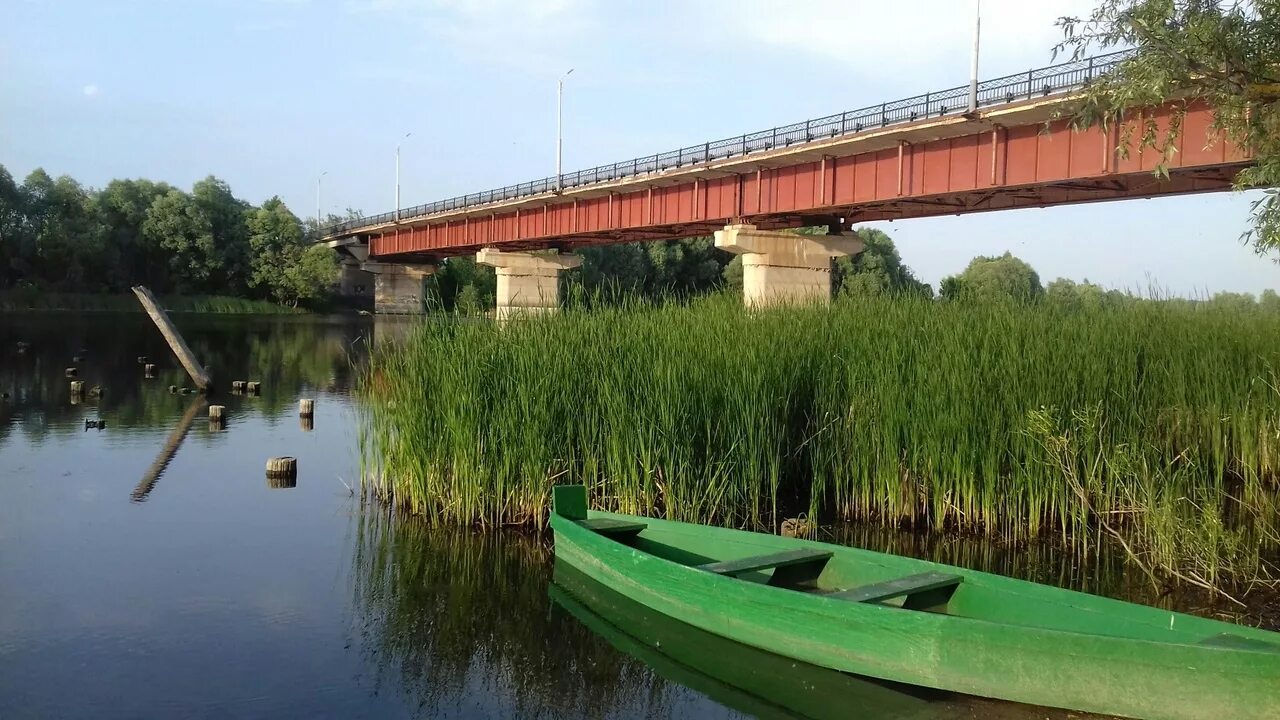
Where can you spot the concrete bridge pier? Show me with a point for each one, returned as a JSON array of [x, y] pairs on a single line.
[[398, 288], [785, 268], [527, 283]]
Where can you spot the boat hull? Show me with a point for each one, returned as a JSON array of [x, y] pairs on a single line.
[[1013, 661]]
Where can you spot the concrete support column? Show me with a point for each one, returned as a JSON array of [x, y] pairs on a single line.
[[780, 267], [527, 283], [353, 281], [398, 289]]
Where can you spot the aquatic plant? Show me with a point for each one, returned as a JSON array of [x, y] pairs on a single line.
[[903, 411]]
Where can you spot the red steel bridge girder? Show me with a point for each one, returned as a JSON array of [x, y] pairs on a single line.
[[1035, 164]]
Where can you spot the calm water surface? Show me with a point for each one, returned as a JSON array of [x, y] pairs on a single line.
[[148, 569]]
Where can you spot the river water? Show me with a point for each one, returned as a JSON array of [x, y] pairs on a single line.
[[149, 569]]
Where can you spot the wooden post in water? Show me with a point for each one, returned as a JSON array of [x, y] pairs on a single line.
[[176, 343]]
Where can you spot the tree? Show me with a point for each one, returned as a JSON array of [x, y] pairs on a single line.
[[1084, 295], [877, 270], [275, 237], [135, 257], [462, 284], [1269, 301], [1225, 54], [994, 278], [227, 220], [65, 233], [12, 237], [282, 263], [177, 224], [311, 275]]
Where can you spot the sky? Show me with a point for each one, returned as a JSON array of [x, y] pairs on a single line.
[[270, 94]]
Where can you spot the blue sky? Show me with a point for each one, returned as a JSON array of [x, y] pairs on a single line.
[[267, 94]]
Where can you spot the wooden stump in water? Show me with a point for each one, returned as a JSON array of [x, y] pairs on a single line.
[[253, 387], [148, 370], [306, 407], [215, 412], [77, 388], [143, 360], [77, 358], [173, 389], [798, 527], [237, 386], [96, 391], [71, 372], [282, 472]]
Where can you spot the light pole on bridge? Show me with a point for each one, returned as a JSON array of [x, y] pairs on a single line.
[[973, 75], [318, 179], [560, 129], [406, 136]]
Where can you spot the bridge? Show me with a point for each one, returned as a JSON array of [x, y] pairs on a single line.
[[917, 157]]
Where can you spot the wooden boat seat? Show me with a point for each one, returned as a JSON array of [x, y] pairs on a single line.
[[793, 567], [924, 591], [613, 528]]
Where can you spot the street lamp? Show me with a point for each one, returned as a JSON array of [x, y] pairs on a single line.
[[973, 76], [318, 179], [560, 128], [406, 136]]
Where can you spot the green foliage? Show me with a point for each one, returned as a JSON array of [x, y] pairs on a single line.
[[56, 236], [178, 226], [1004, 278], [282, 261], [877, 270], [902, 410], [1076, 296], [461, 284], [1221, 52]]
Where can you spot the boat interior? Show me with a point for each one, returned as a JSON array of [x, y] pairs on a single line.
[[861, 576]]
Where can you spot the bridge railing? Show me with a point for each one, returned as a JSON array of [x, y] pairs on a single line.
[[1039, 82]]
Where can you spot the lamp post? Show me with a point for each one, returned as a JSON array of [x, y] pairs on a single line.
[[560, 129], [318, 179], [406, 136], [973, 75]]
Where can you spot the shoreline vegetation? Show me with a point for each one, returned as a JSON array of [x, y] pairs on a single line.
[[1152, 423], [12, 302]]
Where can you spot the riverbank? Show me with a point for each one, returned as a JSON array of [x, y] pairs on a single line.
[[80, 303], [1161, 419]]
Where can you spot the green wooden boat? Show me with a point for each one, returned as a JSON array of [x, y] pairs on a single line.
[[926, 624], [738, 676]]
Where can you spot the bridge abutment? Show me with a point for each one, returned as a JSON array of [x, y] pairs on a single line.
[[784, 268], [398, 289], [527, 283]]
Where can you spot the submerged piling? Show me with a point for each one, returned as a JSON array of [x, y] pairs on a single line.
[[306, 407], [282, 472], [215, 412]]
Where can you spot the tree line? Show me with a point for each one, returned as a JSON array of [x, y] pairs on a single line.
[[57, 235]]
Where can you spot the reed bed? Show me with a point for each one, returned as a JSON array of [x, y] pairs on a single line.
[[903, 411]]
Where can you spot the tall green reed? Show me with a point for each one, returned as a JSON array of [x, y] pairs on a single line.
[[902, 411]]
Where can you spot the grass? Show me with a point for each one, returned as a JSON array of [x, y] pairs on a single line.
[[906, 412], [83, 302]]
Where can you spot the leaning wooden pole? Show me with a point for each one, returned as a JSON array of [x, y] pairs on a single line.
[[176, 343]]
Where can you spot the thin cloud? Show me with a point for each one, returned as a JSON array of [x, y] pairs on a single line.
[[90, 91]]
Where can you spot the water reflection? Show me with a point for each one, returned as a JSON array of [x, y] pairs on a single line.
[[461, 623]]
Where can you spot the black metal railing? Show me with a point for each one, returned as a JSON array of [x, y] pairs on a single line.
[[1040, 82]]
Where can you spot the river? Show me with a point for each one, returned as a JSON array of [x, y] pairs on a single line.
[[135, 584]]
